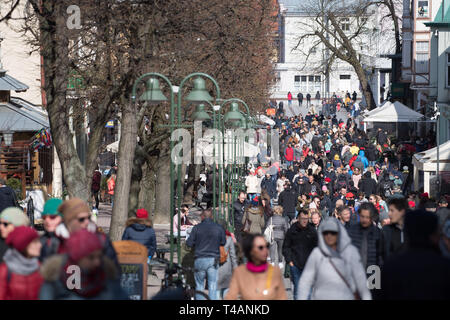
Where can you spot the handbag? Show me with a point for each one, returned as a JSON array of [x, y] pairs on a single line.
[[355, 294], [268, 233], [247, 224]]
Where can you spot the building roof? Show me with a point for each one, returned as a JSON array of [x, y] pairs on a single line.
[[442, 18], [8, 83], [301, 6], [20, 117]]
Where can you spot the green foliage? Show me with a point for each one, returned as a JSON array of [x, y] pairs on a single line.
[[16, 185]]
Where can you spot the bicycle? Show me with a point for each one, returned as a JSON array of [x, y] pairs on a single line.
[[174, 285]]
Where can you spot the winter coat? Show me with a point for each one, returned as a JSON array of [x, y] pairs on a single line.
[[238, 213], [280, 185], [226, 269], [19, 277], [253, 214], [111, 186], [206, 238], [288, 199], [320, 276], [370, 152], [355, 232], [393, 240], [289, 154], [367, 185], [7, 198], [55, 289], [270, 185], [280, 226], [416, 274], [363, 159], [96, 180], [140, 230], [3, 248], [50, 245], [298, 244], [253, 184]]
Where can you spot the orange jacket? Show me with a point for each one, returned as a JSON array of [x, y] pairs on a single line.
[[111, 185]]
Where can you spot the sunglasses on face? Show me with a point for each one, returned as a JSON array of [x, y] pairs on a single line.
[[261, 248], [81, 220], [5, 224], [51, 217], [330, 232]]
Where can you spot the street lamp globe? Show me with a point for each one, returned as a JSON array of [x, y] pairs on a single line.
[[8, 137], [153, 93], [234, 115], [200, 114], [199, 92]]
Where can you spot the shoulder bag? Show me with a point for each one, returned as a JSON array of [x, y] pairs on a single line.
[[268, 233], [355, 294]]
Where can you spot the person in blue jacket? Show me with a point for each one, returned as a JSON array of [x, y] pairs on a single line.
[[140, 229], [364, 159]]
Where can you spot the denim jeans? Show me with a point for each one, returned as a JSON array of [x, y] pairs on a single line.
[[296, 273], [223, 292], [206, 267], [289, 163], [372, 163]]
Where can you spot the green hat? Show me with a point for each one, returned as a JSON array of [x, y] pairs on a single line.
[[15, 216], [51, 207]]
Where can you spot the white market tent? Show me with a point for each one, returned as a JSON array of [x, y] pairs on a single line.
[[393, 112], [113, 147], [426, 161]]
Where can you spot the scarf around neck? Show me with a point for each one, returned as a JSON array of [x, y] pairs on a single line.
[[258, 269], [19, 264]]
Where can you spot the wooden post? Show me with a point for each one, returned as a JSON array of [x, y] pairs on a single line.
[[24, 184]]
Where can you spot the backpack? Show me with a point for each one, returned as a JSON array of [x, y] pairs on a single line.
[[268, 233], [387, 189]]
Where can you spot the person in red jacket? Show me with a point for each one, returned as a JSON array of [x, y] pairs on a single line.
[[20, 278], [289, 155]]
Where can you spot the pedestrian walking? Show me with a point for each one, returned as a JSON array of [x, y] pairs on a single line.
[[140, 229], [300, 99], [280, 227], [308, 100], [95, 186], [20, 278], [288, 199], [333, 270], [253, 219], [206, 238], [299, 242], [226, 269], [289, 97], [239, 207], [52, 218], [8, 197], [257, 279], [111, 187]]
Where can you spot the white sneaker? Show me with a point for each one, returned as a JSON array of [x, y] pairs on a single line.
[[281, 265]]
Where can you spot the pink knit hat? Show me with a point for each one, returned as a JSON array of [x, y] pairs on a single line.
[[82, 243]]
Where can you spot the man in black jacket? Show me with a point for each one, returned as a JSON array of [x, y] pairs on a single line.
[[300, 99], [419, 273], [206, 238], [298, 244], [288, 199], [365, 235], [393, 238], [312, 187], [238, 213], [7, 196], [367, 184]]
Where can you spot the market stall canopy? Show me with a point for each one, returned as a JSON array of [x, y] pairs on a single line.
[[17, 116], [427, 160], [394, 112], [8, 83]]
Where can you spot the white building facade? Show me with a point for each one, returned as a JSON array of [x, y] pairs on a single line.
[[301, 69]]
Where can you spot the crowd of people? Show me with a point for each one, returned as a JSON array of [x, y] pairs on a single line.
[[338, 207]]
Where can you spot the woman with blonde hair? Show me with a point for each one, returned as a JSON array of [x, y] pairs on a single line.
[[280, 227]]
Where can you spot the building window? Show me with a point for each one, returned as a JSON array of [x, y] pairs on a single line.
[[317, 84], [303, 83], [344, 77], [423, 10], [422, 57], [296, 82], [345, 24], [447, 76]]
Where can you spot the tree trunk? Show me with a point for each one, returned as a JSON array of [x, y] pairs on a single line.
[[162, 201], [147, 189], [127, 147], [367, 91]]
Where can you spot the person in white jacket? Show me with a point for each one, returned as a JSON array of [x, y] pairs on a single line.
[[334, 270], [253, 184]]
